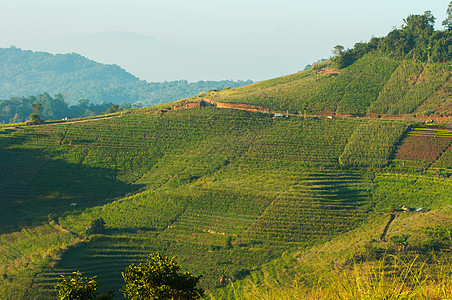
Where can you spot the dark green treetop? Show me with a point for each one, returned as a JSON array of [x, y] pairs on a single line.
[[160, 278], [448, 21]]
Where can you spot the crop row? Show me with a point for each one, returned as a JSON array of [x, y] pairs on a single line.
[[371, 75], [422, 147], [23, 253], [410, 85], [113, 254], [372, 144]]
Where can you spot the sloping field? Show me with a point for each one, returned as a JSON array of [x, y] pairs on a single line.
[[424, 148], [225, 191], [373, 85], [211, 180]]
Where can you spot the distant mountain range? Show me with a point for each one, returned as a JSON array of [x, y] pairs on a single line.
[[147, 57], [25, 73], [157, 60]]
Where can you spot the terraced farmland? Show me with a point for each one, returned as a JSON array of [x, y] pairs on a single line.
[[424, 148], [225, 191], [319, 205], [278, 184], [419, 175]]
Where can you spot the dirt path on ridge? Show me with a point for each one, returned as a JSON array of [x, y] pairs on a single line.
[[241, 106]]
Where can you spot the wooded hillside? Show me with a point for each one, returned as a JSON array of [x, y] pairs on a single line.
[[26, 73]]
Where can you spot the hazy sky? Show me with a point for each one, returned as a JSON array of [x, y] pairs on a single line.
[[265, 38]]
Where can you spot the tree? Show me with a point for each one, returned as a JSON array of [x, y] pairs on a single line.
[[76, 287], [114, 108], [160, 278], [37, 108], [97, 226], [448, 21], [337, 50], [34, 117], [345, 59]]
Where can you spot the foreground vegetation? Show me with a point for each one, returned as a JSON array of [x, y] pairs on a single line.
[[158, 278]]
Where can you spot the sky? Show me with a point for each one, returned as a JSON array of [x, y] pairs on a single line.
[[246, 39]]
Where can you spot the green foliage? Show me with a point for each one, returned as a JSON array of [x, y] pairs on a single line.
[[37, 108], [403, 79], [34, 119], [323, 63], [293, 92], [114, 108], [223, 190], [24, 253], [396, 74], [405, 280], [76, 287], [416, 40], [345, 59], [439, 237], [369, 76], [338, 50], [51, 108], [228, 243], [448, 21], [160, 278], [410, 85]]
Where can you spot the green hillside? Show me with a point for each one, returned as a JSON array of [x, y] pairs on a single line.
[[406, 72], [223, 190], [373, 85], [332, 183]]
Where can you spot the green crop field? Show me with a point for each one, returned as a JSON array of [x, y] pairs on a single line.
[[241, 196], [225, 191], [330, 183], [373, 85]]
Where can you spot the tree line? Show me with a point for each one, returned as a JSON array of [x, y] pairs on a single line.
[[19, 109], [416, 39]]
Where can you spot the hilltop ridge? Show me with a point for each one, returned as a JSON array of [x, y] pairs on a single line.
[[407, 72], [373, 85]]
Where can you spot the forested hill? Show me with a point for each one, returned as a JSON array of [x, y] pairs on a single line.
[[25, 73]]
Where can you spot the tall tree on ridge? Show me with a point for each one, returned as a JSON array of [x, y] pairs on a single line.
[[448, 21]]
